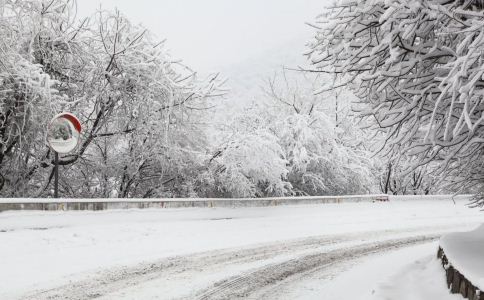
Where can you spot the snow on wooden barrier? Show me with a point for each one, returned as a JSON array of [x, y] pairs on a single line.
[[462, 256], [104, 204]]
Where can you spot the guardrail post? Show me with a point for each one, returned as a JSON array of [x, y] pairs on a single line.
[[56, 175]]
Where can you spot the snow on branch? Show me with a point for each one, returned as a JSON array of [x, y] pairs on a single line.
[[137, 105], [417, 67]]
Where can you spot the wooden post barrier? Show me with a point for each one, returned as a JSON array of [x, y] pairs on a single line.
[[457, 282]]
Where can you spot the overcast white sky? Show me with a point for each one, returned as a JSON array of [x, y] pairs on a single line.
[[209, 35]]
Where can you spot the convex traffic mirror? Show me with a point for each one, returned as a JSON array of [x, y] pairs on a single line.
[[63, 133]]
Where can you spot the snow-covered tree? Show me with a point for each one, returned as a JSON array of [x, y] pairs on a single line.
[[139, 109], [319, 162], [322, 143], [395, 180], [252, 164], [289, 144], [416, 67]]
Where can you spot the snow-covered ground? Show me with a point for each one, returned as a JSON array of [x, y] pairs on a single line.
[[404, 274], [283, 252]]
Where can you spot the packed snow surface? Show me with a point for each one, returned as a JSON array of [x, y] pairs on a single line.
[[404, 274], [209, 253], [465, 251]]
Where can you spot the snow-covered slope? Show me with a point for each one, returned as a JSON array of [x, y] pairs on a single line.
[[246, 78]]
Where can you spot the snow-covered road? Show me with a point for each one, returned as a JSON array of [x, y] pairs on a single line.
[[262, 253]]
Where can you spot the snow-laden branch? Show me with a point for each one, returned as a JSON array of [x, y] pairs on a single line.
[[418, 69]]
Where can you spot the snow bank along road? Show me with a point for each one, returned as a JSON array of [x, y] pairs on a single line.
[[222, 253]]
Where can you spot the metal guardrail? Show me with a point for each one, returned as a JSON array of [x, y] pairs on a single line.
[[119, 203]]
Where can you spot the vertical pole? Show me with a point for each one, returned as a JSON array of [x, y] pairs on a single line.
[[336, 109], [56, 176]]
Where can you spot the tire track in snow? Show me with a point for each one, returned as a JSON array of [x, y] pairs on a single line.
[[323, 251], [106, 282], [243, 286]]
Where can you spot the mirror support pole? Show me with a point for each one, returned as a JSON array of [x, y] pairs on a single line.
[[56, 175]]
